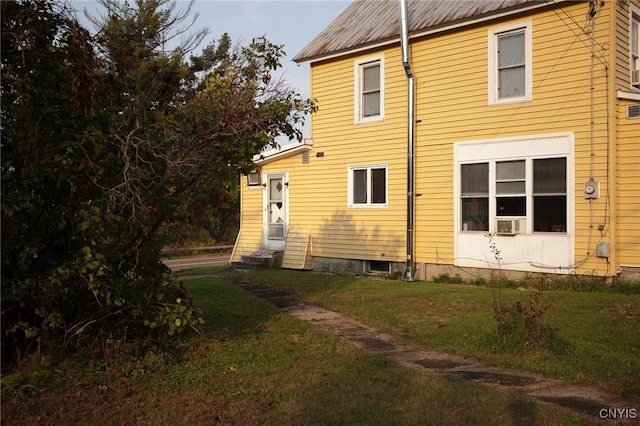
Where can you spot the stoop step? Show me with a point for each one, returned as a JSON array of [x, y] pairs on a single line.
[[260, 259]]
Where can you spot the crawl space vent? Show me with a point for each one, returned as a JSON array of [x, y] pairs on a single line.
[[633, 111]]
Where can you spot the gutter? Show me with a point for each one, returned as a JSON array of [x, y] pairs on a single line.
[[408, 274]]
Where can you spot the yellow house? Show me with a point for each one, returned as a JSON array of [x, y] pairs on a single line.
[[461, 137]]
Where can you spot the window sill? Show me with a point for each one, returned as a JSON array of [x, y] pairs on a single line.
[[368, 120], [368, 206], [519, 100]]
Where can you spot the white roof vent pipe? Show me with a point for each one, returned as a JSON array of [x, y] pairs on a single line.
[[408, 274]]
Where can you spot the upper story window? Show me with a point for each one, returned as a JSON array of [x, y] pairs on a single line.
[[510, 63], [369, 90], [368, 186], [634, 48]]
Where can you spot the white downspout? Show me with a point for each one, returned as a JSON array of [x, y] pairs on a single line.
[[404, 44]]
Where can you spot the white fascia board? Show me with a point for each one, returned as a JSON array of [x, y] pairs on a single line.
[[288, 151], [632, 96]]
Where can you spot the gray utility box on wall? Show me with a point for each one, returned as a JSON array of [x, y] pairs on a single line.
[[602, 250], [591, 190]]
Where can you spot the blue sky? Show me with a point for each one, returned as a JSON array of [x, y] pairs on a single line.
[[293, 23]]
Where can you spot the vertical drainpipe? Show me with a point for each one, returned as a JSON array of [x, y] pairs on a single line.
[[404, 44]]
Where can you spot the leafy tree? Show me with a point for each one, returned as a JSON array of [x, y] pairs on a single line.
[[104, 139]]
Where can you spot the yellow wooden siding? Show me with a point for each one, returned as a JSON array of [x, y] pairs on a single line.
[[318, 203], [339, 231], [452, 106], [250, 235], [628, 206]]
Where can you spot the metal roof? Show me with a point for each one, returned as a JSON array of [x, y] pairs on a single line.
[[367, 23]]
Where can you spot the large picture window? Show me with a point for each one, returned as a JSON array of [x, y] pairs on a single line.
[[510, 64], [528, 188], [369, 90], [522, 190], [368, 186]]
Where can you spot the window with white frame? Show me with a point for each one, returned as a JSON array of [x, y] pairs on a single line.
[[368, 186], [369, 90], [475, 196], [634, 47], [531, 188], [510, 64]]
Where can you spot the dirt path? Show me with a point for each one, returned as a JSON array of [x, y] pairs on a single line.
[[589, 401]]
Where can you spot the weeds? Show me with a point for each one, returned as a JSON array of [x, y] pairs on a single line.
[[478, 282], [18, 390], [520, 326], [392, 276], [574, 282], [445, 278], [624, 287]]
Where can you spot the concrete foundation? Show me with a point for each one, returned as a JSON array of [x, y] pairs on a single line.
[[427, 271], [338, 266], [354, 266], [630, 273]]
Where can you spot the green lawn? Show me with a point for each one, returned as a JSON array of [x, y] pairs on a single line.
[[258, 365], [598, 332]]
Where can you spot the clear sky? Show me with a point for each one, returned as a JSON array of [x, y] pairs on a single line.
[[293, 23]]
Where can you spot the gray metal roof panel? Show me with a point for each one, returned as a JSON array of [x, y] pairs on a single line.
[[369, 22]]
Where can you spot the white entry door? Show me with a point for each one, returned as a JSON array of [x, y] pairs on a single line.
[[275, 211]]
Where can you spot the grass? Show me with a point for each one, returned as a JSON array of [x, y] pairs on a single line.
[[598, 332], [258, 365]]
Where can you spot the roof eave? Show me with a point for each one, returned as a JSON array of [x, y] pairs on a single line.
[[423, 33], [288, 151], [628, 95]]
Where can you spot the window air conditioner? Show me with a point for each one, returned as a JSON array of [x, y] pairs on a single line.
[[510, 226], [635, 77], [253, 179]]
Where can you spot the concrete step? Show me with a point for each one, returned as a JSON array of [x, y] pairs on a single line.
[[261, 259], [245, 266]]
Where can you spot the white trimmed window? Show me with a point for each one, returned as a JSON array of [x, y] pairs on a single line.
[[530, 188], [634, 47], [368, 186], [522, 189], [510, 63], [369, 90]]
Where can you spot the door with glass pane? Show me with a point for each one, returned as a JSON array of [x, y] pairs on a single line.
[[276, 210]]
